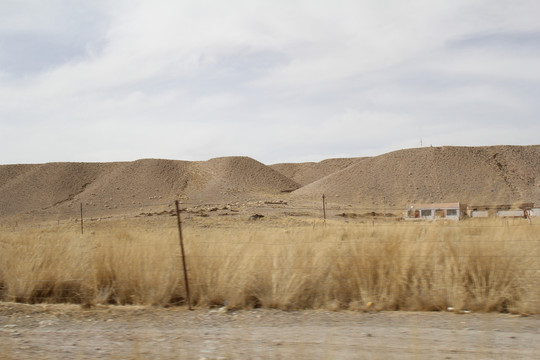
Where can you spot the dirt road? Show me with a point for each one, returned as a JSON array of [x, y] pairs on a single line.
[[116, 332]]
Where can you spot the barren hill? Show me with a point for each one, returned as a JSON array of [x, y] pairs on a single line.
[[473, 175], [44, 186], [308, 172], [238, 177], [58, 188], [479, 175]]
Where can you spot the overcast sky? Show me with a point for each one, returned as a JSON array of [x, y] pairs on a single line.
[[279, 81]]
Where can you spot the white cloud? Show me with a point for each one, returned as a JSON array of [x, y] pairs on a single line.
[[239, 77], [217, 102]]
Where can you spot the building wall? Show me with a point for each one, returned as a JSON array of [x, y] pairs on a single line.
[[510, 213], [458, 214], [535, 212], [479, 214], [434, 213]]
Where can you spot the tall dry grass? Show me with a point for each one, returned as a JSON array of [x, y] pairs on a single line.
[[479, 266]]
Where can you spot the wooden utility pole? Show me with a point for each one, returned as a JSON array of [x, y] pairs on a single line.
[[324, 208], [82, 226], [186, 283]]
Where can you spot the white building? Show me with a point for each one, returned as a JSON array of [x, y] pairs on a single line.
[[479, 213], [436, 211], [511, 213], [534, 212], [526, 210]]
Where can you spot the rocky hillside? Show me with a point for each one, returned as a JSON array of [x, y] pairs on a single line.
[[58, 188], [479, 175], [473, 175]]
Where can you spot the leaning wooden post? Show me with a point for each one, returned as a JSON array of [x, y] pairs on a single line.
[[324, 209], [82, 226], [186, 283]]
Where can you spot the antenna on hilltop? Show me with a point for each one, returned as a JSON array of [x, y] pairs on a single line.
[[420, 142]]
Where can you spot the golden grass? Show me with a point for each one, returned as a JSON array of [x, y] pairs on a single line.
[[473, 265]]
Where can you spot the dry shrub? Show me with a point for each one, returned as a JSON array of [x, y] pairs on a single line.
[[136, 268], [480, 266], [44, 266]]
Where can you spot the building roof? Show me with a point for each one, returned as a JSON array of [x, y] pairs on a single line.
[[435, 206]]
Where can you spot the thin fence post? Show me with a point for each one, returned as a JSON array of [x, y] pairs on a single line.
[[82, 226], [186, 283], [324, 208]]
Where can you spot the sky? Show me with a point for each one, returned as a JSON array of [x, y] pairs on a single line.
[[279, 81]]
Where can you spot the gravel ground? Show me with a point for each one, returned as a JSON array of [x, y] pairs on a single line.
[[132, 332]]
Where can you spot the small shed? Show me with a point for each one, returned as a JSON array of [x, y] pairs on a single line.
[[526, 210], [436, 211], [485, 211], [511, 213], [479, 213], [534, 212]]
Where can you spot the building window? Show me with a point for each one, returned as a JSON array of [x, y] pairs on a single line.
[[451, 212], [425, 213], [440, 213]]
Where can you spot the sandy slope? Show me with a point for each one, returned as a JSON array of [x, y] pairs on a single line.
[[58, 188], [480, 175], [240, 178], [306, 173], [43, 186]]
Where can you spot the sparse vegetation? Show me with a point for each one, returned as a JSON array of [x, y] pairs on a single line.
[[478, 266]]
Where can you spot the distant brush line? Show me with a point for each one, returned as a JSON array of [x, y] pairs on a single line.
[[291, 244]]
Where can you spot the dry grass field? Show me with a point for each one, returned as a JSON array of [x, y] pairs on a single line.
[[282, 264], [279, 287]]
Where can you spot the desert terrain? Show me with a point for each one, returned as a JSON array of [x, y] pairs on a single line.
[[283, 284], [472, 175]]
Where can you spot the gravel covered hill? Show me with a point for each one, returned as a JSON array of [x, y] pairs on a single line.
[[58, 188], [479, 175], [308, 172]]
